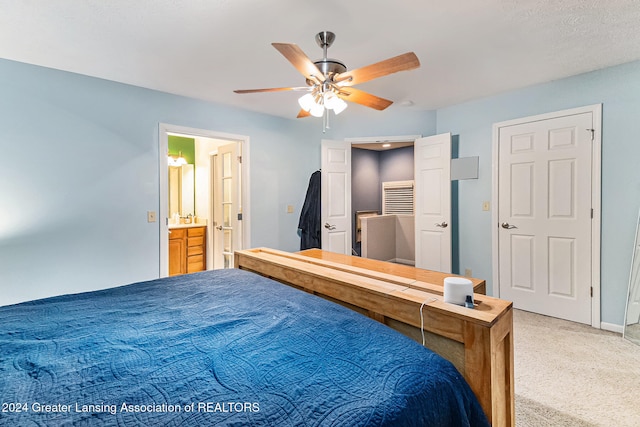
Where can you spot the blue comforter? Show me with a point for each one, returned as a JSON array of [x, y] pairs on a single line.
[[218, 348]]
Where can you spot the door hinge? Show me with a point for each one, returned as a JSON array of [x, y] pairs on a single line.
[[591, 291], [240, 158], [591, 213], [593, 131]]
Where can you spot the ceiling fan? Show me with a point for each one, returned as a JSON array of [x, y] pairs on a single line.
[[330, 84]]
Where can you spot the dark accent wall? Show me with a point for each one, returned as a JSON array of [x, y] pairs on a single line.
[[365, 184], [396, 165], [369, 169]]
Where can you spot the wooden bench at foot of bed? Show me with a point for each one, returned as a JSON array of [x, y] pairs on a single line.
[[479, 342]]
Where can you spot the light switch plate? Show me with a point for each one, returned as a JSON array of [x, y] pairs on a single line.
[[151, 216]]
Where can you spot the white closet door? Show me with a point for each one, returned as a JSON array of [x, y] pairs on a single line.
[[336, 196], [432, 158], [545, 216]]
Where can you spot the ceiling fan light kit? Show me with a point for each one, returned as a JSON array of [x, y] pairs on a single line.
[[321, 98], [330, 84]]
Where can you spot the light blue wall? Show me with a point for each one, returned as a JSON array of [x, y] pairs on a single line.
[[84, 172], [618, 89], [361, 122]]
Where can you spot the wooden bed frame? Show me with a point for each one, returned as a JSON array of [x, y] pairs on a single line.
[[479, 342]]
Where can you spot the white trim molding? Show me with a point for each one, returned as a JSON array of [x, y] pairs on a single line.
[[611, 327], [379, 139]]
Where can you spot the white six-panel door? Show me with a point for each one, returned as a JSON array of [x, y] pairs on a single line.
[[432, 175], [336, 196], [545, 216]]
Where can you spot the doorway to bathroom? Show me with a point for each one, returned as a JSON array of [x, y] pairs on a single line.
[[212, 192]]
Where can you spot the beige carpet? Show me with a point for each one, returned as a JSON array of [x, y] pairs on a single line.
[[569, 374]]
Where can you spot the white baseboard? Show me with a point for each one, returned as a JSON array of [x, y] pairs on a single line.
[[612, 327]]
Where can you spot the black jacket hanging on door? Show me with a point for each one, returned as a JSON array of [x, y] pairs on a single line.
[[309, 224]]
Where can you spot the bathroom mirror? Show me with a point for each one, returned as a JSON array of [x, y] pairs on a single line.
[[181, 190], [632, 314]]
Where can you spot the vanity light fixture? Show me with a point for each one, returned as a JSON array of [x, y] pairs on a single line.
[[179, 161]]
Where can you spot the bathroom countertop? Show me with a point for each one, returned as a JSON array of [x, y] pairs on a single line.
[[196, 224]]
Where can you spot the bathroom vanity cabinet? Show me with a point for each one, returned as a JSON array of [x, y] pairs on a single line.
[[187, 249]]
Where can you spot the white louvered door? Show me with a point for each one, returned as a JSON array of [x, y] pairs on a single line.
[[397, 198]]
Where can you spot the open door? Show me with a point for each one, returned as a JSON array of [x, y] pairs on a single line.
[[227, 207], [432, 174], [336, 196], [633, 303]]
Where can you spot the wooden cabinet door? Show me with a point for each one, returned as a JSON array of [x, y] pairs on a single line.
[[177, 256], [196, 249]]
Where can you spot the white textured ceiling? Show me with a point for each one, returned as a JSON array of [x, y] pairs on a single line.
[[207, 48]]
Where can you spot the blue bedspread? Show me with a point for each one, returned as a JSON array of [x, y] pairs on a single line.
[[217, 348]]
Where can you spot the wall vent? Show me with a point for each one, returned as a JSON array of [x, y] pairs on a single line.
[[397, 198]]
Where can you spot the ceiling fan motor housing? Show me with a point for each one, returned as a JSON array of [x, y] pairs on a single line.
[[329, 67]]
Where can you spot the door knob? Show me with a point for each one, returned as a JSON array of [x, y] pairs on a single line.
[[508, 226], [443, 224], [329, 226], [219, 228]]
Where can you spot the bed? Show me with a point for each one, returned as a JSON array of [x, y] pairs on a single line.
[[226, 347], [479, 341]]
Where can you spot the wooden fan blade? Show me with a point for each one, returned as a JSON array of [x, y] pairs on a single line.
[[273, 89], [302, 114], [404, 62], [363, 98], [300, 60]]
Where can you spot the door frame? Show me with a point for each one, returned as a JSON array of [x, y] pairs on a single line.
[[596, 194], [164, 129]]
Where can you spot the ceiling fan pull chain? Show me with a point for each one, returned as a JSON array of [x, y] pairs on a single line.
[[325, 122]]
